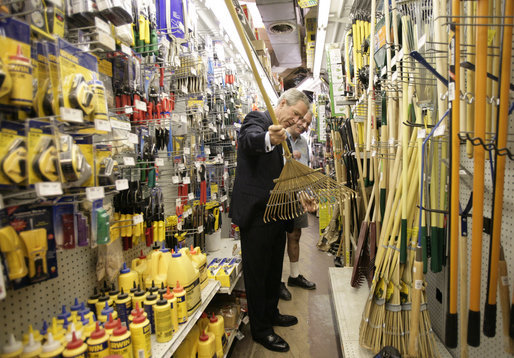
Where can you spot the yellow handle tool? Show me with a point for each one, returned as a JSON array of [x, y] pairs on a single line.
[[36, 245], [10, 245]]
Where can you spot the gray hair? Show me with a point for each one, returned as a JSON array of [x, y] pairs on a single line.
[[292, 96]]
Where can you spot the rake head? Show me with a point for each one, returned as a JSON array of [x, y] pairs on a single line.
[[297, 184]]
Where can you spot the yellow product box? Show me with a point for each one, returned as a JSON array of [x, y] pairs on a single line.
[[227, 275]]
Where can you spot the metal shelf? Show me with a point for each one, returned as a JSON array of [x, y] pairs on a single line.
[[232, 336], [228, 290], [166, 350]]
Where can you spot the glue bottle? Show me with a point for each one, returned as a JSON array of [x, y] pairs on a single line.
[[20, 71], [127, 278], [113, 294], [137, 311], [123, 306], [133, 290], [98, 343], [63, 315], [102, 300], [172, 300], [87, 313], [140, 266], [206, 347], [217, 326], [57, 331], [139, 297], [149, 303], [35, 333], [141, 336], [92, 300], [75, 307], [111, 325], [52, 348], [32, 349], [13, 349], [162, 319], [87, 326], [104, 315], [76, 348], [120, 343], [203, 322], [180, 294]]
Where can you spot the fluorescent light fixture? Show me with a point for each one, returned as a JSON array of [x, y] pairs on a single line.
[[321, 34], [254, 13]]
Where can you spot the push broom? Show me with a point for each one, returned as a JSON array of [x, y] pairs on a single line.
[[297, 183], [499, 177]]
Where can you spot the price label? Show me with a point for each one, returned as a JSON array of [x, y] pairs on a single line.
[[189, 211], [225, 176], [175, 179], [439, 131], [228, 110], [120, 124], [186, 180], [184, 89], [222, 136], [462, 172], [181, 166], [391, 141], [159, 162], [122, 184], [200, 229], [214, 196], [226, 115], [190, 196], [48, 189], [187, 150], [219, 158], [237, 125], [137, 219], [94, 193], [246, 320], [193, 71], [129, 161], [132, 138], [140, 105], [179, 226], [185, 214], [102, 125], [183, 118], [418, 284], [178, 202], [207, 150], [223, 198], [233, 142], [128, 110], [231, 99], [226, 163], [71, 115], [126, 50], [422, 133]]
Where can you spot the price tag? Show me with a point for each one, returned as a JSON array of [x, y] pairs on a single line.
[[193, 71], [181, 166], [226, 163], [186, 180], [213, 196], [226, 115], [207, 150], [439, 131], [128, 110], [505, 280], [422, 133], [223, 198], [178, 202], [71, 115], [462, 172], [102, 125], [206, 108], [185, 214], [222, 136], [179, 226], [228, 110], [237, 125], [122, 184], [159, 162], [374, 153], [94, 193], [200, 229], [129, 161], [137, 219], [418, 284], [140, 105], [233, 142], [391, 141], [219, 158], [48, 189], [175, 179], [183, 118], [246, 320], [184, 89], [187, 150], [190, 196], [120, 124], [126, 50], [225, 176], [132, 138], [189, 211]]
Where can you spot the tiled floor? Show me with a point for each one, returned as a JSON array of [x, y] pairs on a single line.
[[315, 335]]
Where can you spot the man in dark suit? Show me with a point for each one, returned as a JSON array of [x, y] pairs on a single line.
[[259, 161]]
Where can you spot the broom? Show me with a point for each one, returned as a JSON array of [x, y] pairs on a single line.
[[499, 177], [478, 177], [297, 184]]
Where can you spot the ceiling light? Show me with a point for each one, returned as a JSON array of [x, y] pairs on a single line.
[[323, 12]]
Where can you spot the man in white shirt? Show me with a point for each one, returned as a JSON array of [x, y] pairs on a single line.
[[300, 153]]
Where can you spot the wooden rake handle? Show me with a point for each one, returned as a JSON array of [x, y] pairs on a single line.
[[249, 54]]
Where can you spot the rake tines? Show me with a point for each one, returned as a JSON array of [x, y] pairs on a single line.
[[297, 183]]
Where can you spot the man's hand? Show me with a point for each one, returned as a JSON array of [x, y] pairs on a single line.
[[308, 202], [277, 134], [297, 155]]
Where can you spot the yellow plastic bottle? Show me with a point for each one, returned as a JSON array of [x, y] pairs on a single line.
[[140, 266], [98, 343], [52, 348], [162, 320], [104, 314], [206, 345], [75, 308], [76, 348], [217, 326], [58, 331], [181, 269], [63, 315], [92, 300], [172, 300], [35, 334], [123, 306], [88, 326], [111, 325], [180, 295], [184, 350], [203, 322], [121, 343], [141, 336], [137, 311], [200, 263], [13, 349], [127, 278], [164, 261], [139, 297], [113, 295], [153, 268], [133, 290], [193, 336], [87, 313], [102, 300], [149, 303], [20, 71]]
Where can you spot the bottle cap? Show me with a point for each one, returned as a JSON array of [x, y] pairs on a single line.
[[76, 306], [113, 291], [151, 297], [95, 295], [162, 290], [204, 337], [164, 248], [162, 301], [178, 288], [213, 318], [35, 333], [122, 295], [83, 309], [98, 332], [75, 342], [12, 346], [44, 329], [204, 315], [19, 56], [83, 319], [176, 254], [124, 269], [138, 311], [141, 256], [139, 319], [32, 346], [51, 344], [112, 323], [107, 310], [120, 331], [64, 314], [168, 295]]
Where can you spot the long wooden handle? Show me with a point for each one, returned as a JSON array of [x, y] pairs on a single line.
[[249, 54], [417, 276]]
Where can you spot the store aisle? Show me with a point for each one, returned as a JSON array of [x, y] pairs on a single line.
[[315, 333]]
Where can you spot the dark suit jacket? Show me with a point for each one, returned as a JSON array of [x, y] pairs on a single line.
[[255, 171]]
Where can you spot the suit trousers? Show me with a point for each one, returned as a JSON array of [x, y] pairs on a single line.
[[262, 249]]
